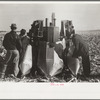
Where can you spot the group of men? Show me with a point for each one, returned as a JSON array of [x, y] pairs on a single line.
[[16, 47]]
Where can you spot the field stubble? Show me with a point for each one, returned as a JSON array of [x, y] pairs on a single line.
[[93, 40]]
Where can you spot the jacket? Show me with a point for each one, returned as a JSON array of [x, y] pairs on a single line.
[[12, 41], [81, 47]]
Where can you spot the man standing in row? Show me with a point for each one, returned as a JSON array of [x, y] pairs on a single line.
[[12, 44], [25, 42]]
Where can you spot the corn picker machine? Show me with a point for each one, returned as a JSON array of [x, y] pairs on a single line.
[[49, 45]]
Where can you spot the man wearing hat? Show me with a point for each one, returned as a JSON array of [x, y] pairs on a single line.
[[25, 41], [12, 44], [81, 50]]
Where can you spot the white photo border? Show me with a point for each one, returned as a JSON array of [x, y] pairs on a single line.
[[47, 90]]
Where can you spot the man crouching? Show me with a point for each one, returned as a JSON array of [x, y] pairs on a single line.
[[81, 49]]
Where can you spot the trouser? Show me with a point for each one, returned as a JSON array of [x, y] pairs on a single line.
[[14, 55], [86, 65]]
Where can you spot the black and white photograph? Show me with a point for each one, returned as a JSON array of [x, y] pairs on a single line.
[[54, 43], [50, 42]]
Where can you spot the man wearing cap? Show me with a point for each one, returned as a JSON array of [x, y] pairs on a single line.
[[12, 44], [25, 41]]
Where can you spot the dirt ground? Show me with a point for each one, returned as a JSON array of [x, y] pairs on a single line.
[[94, 49]]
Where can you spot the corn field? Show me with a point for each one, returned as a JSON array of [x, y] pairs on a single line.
[[93, 40]]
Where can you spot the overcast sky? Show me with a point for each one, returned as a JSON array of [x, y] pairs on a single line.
[[84, 16]]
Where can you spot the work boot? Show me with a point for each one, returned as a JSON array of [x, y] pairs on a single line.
[[12, 76]]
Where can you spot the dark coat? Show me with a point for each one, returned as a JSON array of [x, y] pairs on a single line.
[[12, 41], [25, 42], [81, 47]]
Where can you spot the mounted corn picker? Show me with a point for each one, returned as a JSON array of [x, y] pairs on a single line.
[[67, 31], [47, 49]]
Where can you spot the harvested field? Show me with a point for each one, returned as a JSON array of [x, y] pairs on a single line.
[[93, 39]]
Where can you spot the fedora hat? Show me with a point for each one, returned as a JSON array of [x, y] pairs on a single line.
[[13, 26]]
